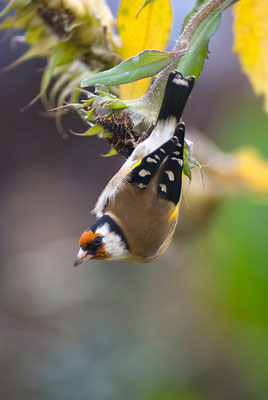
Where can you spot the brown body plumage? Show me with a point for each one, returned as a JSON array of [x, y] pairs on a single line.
[[135, 213]]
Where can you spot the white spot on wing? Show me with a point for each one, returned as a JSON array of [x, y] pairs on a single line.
[[157, 157], [144, 172], [163, 187], [163, 151], [150, 159], [142, 186], [170, 175], [177, 153]]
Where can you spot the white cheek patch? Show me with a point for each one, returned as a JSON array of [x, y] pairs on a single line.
[[113, 243], [103, 230]]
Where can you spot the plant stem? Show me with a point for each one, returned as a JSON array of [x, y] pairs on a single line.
[[197, 19], [154, 95]]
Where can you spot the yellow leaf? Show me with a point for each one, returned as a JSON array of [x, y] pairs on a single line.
[[251, 42], [150, 30]]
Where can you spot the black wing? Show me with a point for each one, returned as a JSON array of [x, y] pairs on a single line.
[[147, 167], [169, 186], [176, 94]]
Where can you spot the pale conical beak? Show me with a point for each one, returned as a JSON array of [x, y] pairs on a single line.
[[82, 256]]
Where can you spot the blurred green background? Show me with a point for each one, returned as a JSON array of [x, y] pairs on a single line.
[[190, 326]]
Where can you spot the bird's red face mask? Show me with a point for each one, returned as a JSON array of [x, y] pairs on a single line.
[[91, 247]]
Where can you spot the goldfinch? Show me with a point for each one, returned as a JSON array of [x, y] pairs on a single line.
[[138, 210]]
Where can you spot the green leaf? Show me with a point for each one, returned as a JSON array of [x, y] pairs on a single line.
[[11, 5], [73, 106], [63, 53], [117, 104], [112, 152], [89, 101], [45, 80], [90, 115], [193, 61], [101, 89], [7, 23], [187, 170], [94, 130], [145, 64], [146, 2]]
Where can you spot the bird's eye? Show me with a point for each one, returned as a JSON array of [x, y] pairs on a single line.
[[97, 241]]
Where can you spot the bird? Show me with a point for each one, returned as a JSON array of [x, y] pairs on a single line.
[[137, 212]]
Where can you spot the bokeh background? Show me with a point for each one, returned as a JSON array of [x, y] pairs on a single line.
[[190, 326]]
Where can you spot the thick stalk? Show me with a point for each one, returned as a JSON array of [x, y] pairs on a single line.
[[154, 95]]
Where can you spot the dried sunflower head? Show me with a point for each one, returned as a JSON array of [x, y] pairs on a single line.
[[75, 36]]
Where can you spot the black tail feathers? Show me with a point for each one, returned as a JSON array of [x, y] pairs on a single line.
[[177, 91]]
